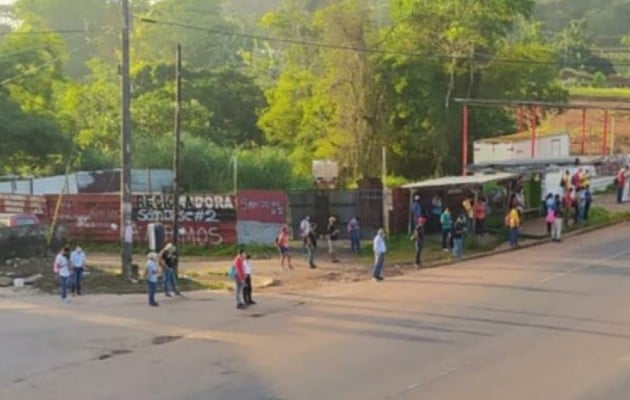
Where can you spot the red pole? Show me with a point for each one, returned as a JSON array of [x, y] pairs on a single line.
[[465, 140], [583, 143], [605, 135], [521, 119], [534, 112]]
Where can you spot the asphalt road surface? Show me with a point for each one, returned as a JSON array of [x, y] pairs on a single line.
[[550, 322]]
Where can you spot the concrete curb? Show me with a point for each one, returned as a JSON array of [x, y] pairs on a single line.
[[534, 243]]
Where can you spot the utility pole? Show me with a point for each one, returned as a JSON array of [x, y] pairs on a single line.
[[126, 226], [176, 157]]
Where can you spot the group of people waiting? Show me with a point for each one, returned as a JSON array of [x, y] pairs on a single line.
[[572, 207]]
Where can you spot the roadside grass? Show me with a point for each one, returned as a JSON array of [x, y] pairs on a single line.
[[220, 252]]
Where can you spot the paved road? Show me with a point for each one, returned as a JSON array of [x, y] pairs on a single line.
[[551, 322]]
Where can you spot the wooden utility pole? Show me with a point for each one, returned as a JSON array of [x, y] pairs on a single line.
[[176, 157], [126, 224]]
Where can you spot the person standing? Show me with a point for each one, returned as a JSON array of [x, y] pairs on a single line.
[[620, 184], [151, 273], [480, 216], [436, 213], [332, 233], [239, 278], [458, 236], [354, 230], [416, 209], [167, 261], [305, 229], [588, 200], [469, 209], [62, 269], [380, 249], [556, 229], [282, 241], [418, 240], [514, 222], [549, 208], [311, 246], [78, 261], [446, 222], [247, 290]]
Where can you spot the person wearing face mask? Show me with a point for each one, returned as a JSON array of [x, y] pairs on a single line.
[[78, 261], [379, 255]]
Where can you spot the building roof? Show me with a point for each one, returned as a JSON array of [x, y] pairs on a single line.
[[469, 180], [533, 165]]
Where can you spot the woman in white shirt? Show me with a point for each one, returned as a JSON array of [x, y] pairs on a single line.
[[62, 268]]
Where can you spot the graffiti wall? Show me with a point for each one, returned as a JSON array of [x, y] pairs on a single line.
[[260, 215], [205, 220]]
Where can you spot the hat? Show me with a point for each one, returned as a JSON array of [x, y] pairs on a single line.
[[152, 256]]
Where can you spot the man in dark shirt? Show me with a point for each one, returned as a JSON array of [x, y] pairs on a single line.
[[458, 236], [418, 239]]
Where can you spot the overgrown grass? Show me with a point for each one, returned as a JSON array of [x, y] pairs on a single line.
[[215, 252], [600, 92]]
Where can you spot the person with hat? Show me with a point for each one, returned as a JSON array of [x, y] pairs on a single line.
[[151, 273], [418, 239]]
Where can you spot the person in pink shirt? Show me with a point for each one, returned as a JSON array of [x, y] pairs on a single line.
[[239, 278], [282, 241]]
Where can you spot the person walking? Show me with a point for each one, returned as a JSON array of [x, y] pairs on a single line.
[[62, 269], [354, 230], [620, 184], [418, 240], [247, 290], [305, 229], [151, 273], [446, 222], [167, 262], [379, 247], [458, 236], [238, 266], [282, 242], [78, 261], [332, 233]]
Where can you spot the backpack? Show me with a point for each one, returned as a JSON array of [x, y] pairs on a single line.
[[232, 272]]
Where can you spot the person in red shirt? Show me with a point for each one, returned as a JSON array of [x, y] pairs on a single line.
[[620, 183], [239, 278], [480, 215]]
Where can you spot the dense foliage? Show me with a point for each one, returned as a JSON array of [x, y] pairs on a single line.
[[276, 85]]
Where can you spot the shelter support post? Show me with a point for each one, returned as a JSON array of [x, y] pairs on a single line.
[[583, 139], [465, 140], [605, 134]]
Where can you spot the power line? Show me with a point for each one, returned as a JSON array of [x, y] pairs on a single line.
[[434, 56], [56, 31]]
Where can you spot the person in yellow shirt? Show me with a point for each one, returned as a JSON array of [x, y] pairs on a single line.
[[514, 223], [585, 179]]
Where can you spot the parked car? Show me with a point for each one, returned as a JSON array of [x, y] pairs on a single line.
[[13, 220]]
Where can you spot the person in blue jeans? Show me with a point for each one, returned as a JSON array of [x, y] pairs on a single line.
[[458, 236], [61, 267], [151, 272], [379, 255], [446, 221], [167, 260], [354, 230]]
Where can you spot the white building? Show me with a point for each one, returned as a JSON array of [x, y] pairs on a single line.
[[518, 147]]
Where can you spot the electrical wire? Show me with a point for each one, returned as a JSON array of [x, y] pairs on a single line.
[[57, 31], [434, 56]]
